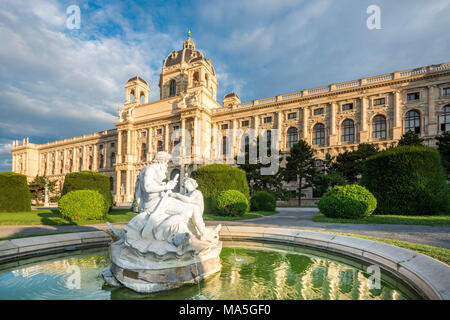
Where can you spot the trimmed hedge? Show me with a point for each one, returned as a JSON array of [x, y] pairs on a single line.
[[231, 203], [83, 205], [348, 202], [215, 178], [407, 180], [14, 192], [88, 180], [263, 201]]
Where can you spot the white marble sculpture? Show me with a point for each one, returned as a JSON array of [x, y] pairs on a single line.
[[167, 244]]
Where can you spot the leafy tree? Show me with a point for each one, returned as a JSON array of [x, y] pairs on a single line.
[[410, 138], [300, 165], [257, 181], [350, 163], [443, 143], [323, 182], [37, 187]]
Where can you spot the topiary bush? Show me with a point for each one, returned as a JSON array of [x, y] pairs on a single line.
[[348, 202], [215, 178], [263, 201], [14, 192], [83, 205], [231, 203], [88, 180], [407, 180]]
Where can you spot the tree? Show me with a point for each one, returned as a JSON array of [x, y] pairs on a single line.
[[257, 181], [37, 187], [323, 182], [410, 138], [350, 163], [300, 165], [443, 143]]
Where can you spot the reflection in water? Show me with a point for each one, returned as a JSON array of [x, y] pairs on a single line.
[[250, 271]]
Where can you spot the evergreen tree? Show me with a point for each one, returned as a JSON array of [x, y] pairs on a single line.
[[37, 187], [443, 143], [410, 138], [300, 165]]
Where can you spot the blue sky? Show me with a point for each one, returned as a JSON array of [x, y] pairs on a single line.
[[57, 83]]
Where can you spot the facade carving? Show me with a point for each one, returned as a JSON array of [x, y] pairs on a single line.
[[333, 119]]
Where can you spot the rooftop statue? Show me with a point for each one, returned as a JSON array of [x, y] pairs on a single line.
[[168, 234]]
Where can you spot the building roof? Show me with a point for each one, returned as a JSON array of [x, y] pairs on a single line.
[[137, 78]]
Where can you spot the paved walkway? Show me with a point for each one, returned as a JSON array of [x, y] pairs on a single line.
[[296, 218]]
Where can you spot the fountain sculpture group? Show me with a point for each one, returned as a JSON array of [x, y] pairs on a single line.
[[167, 244]]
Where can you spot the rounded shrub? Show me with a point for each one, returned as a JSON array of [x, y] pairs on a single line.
[[348, 202], [407, 180], [83, 205], [263, 201], [231, 203], [88, 180], [215, 178], [14, 192]]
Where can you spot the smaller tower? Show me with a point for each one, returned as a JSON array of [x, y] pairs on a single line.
[[137, 91], [231, 100]]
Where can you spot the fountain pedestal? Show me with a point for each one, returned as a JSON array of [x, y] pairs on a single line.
[[161, 270]]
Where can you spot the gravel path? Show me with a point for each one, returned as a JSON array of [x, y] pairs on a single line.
[[297, 218]]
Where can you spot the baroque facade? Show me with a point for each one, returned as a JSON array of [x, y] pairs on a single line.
[[333, 119]]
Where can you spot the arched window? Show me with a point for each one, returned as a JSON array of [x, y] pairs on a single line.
[[173, 88], [196, 79], [292, 137], [348, 131], [142, 99], [224, 145], [445, 119], [412, 121], [144, 152], [269, 139], [379, 127], [319, 134], [132, 96]]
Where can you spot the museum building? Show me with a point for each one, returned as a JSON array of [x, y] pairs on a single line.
[[333, 119]]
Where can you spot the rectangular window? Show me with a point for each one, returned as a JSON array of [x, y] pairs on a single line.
[[318, 111], [446, 91], [347, 106], [160, 145], [379, 102], [267, 119], [413, 96], [245, 123], [101, 147], [224, 126], [292, 115]]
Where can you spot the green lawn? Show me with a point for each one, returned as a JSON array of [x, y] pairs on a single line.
[[53, 217], [437, 253], [441, 220], [250, 215]]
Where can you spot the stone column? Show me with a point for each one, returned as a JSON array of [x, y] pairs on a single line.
[[234, 139], [182, 139], [433, 95], [107, 162], [364, 133], [305, 123], [196, 146], [150, 144], [397, 129], [333, 136], [214, 144], [279, 128], [166, 138], [256, 126], [95, 156], [83, 167], [119, 146]]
